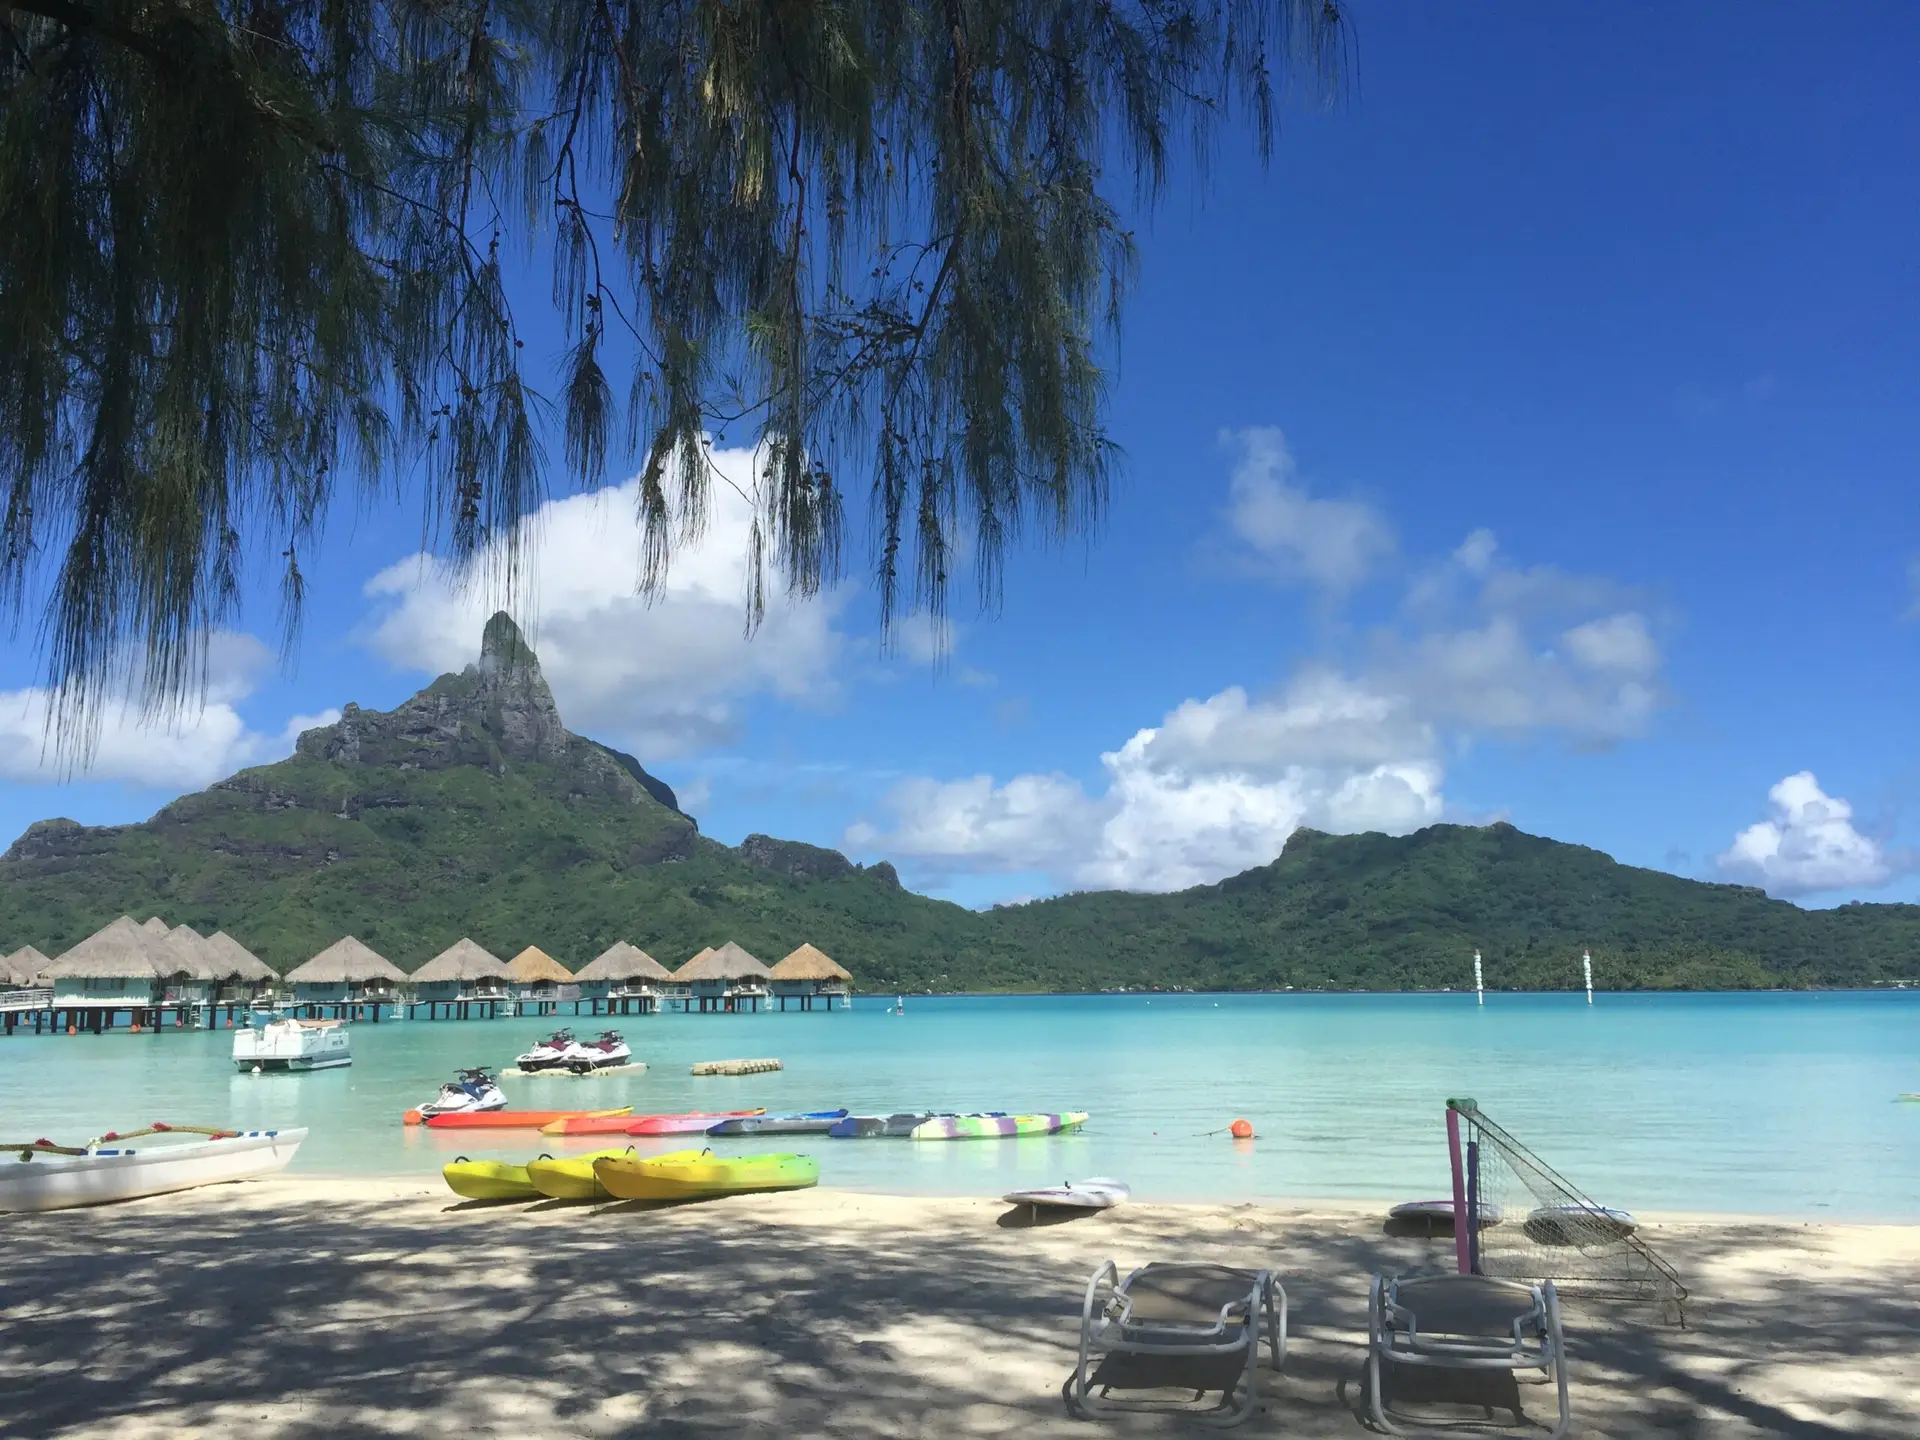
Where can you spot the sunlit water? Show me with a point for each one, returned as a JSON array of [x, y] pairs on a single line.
[[1749, 1103]]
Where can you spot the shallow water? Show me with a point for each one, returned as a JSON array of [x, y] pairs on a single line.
[[1779, 1103]]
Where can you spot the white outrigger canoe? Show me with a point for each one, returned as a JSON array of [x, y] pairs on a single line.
[[48, 1177]]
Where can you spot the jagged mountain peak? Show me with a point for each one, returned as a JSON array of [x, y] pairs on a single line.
[[504, 645], [497, 712]]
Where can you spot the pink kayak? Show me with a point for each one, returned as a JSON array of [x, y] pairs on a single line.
[[623, 1124], [694, 1123]]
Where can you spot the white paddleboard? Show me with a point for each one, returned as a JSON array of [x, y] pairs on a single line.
[[1100, 1192]]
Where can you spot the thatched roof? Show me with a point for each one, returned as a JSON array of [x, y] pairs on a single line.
[[233, 961], [807, 963], [121, 950], [346, 959], [24, 967], [729, 962], [533, 964], [621, 961], [183, 951], [462, 960]]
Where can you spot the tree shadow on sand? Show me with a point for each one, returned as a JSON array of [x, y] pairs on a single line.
[[340, 1319]]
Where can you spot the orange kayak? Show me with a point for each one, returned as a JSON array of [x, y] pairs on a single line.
[[622, 1122], [513, 1119]]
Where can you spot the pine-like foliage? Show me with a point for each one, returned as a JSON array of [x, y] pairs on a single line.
[[247, 246]]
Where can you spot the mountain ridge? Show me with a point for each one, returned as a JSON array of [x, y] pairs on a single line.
[[470, 809]]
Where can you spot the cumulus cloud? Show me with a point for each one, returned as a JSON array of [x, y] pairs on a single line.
[[1478, 646], [1215, 788], [1333, 544], [1808, 845], [1482, 644], [922, 638], [184, 748], [664, 675]]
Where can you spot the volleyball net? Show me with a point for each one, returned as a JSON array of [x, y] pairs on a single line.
[[1526, 1221]]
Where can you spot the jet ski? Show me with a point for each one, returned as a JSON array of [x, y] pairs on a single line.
[[474, 1091], [585, 1055], [548, 1054]]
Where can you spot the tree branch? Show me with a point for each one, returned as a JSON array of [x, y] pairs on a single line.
[[81, 20]]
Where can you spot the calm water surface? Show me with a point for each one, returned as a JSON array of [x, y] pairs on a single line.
[[1753, 1103]]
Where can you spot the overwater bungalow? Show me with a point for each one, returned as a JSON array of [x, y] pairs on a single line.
[[540, 981], [112, 969], [724, 979], [188, 976], [808, 976], [25, 969], [629, 980], [241, 976], [345, 977], [466, 978]]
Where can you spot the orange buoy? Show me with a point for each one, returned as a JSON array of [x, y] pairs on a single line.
[[412, 1117], [1241, 1130]]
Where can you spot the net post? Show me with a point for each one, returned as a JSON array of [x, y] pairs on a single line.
[[1461, 1258], [1473, 1207]]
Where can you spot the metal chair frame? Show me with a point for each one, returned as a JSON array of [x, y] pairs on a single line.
[[1108, 1326], [1536, 1342]]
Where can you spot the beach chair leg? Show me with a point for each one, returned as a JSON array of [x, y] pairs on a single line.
[[1249, 1378], [1082, 1394], [1277, 1324], [1376, 1346], [1557, 1348]]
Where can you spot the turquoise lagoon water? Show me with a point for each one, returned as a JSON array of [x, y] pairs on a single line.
[[1777, 1103]]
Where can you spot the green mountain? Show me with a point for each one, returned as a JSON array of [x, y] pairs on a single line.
[[472, 810]]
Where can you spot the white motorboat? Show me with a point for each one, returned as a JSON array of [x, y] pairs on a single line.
[[548, 1054], [473, 1091], [609, 1050], [43, 1177], [293, 1045]]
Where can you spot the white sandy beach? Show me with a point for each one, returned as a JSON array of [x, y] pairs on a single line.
[[360, 1308]]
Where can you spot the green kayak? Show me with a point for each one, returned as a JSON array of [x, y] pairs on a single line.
[[995, 1127]]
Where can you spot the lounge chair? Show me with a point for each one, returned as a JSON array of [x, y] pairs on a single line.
[[1176, 1309], [1464, 1322]]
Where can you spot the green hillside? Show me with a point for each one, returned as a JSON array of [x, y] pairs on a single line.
[[471, 810]]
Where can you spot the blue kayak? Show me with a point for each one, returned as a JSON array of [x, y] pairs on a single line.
[[811, 1122]]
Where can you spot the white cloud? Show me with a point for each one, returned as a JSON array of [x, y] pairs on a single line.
[[1479, 646], [1475, 553], [1497, 677], [184, 748], [1333, 544], [1215, 788], [663, 675], [1485, 645], [924, 639], [1808, 845]]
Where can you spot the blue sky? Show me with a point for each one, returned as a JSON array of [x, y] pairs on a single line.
[[1534, 438]]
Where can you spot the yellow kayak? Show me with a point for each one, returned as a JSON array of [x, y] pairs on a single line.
[[702, 1175], [489, 1180], [570, 1178]]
